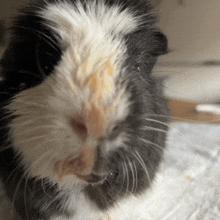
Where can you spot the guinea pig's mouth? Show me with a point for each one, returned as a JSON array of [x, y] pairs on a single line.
[[92, 178], [99, 178]]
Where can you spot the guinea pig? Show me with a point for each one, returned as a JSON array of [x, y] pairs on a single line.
[[83, 121]]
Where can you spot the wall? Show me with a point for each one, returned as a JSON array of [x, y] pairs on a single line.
[[9, 7], [193, 29], [193, 66]]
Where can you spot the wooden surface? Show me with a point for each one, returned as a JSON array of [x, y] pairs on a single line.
[[185, 111]]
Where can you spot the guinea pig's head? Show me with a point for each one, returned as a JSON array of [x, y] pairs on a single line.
[[77, 84]]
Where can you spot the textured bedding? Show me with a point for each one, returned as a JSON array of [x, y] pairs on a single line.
[[187, 186]]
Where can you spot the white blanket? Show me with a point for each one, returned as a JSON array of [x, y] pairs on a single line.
[[188, 184]]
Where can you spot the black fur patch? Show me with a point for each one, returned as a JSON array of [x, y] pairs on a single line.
[[32, 53]]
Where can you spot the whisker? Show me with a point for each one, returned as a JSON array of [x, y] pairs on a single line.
[[160, 148], [127, 177], [39, 66], [5, 138], [132, 172], [16, 192], [46, 142], [106, 199], [56, 125], [156, 121], [170, 127], [50, 202], [25, 196], [149, 142], [145, 128], [42, 185], [42, 35], [40, 179], [123, 174], [11, 174], [145, 115], [6, 93], [178, 118], [46, 3], [31, 104], [36, 117], [7, 115], [136, 177], [24, 130], [40, 137], [36, 162], [30, 73], [140, 160], [4, 149]]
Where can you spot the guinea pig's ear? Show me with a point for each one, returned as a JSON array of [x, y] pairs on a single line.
[[160, 46]]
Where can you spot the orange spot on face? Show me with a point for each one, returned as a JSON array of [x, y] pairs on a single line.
[[79, 166], [94, 83], [96, 78], [101, 82], [96, 121], [101, 85]]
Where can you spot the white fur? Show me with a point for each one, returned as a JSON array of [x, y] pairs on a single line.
[[86, 210], [100, 21], [90, 36], [42, 132]]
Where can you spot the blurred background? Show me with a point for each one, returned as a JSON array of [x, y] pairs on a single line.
[[192, 69], [193, 66]]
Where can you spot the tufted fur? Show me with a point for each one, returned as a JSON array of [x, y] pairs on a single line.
[[79, 127]]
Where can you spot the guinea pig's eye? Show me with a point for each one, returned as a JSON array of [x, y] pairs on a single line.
[[112, 177], [116, 128], [137, 67], [115, 131], [115, 173]]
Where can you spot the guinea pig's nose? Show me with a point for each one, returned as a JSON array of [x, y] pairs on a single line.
[[98, 173], [100, 163]]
